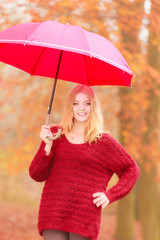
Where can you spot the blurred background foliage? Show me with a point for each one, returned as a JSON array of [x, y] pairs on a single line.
[[132, 115]]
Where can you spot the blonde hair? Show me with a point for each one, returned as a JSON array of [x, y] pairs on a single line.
[[94, 126]]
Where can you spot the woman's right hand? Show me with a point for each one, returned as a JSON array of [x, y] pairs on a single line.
[[46, 132]]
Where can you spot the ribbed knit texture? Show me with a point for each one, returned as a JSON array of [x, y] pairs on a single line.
[[73, 172]]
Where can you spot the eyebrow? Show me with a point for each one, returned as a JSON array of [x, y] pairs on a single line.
[[84, 101]]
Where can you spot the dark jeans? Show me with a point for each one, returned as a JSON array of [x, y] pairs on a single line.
[[51, 234]]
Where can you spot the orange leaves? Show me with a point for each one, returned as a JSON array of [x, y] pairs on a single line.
[[125, 135], [15, 160], [154, 74], [20, 221], [29, 97], [147, 166], [154, 18]]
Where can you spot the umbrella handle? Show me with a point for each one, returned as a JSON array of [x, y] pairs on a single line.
[[56, 136], [58, 133]]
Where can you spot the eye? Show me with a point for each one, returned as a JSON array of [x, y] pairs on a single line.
[[75, 103]]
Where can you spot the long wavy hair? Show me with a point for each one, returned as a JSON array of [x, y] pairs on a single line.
[[94, 125]]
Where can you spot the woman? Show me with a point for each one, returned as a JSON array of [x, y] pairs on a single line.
[[77, 168]]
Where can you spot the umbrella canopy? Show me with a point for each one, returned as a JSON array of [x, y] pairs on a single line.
[[86, 58], [66, 52]]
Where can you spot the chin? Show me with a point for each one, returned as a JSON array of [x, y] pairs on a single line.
[[81, 120], [78, 119]]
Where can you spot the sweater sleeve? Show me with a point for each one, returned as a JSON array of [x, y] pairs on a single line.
[[40, 166], [121, 163]]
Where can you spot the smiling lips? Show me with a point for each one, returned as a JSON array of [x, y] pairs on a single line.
[[81, 114]]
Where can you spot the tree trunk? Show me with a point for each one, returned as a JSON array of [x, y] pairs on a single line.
[[126, 206], [148, 205], [149, 202], [127, 210], [126, 218]]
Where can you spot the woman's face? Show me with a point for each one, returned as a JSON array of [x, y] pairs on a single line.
[[81, 107]]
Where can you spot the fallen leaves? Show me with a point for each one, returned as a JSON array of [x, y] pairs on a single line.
[[19, 222]]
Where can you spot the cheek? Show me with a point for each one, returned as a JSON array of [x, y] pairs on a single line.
[[74, 108], [88, 108]]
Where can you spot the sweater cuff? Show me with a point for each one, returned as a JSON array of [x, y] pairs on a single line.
[[43, 152], [109, 196]]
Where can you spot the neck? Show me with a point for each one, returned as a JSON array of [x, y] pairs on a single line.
[[78, 128]]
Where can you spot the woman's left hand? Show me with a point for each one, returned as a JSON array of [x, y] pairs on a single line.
[[100, 199]]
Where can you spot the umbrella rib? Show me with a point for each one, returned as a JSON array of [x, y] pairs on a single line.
[[38, 60], [86, 68], [84, 33]]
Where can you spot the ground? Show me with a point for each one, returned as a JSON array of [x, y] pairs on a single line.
[[19, 222]]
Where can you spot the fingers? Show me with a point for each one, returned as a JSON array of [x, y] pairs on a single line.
[[46, 129], [100, 199], [45, 132], [97, 194], [105, 204]]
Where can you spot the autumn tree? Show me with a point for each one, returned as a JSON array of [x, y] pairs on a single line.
[[122, 22], [149, 202], [129, 20], [139, 120]]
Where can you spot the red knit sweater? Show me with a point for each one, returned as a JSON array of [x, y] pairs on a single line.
[[73, 172]]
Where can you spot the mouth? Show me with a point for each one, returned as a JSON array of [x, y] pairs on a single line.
[[82, 114]]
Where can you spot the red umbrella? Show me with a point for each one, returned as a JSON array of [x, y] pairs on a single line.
[[66, 52]]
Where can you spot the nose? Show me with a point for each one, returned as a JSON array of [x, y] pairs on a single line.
[[82, 107]]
